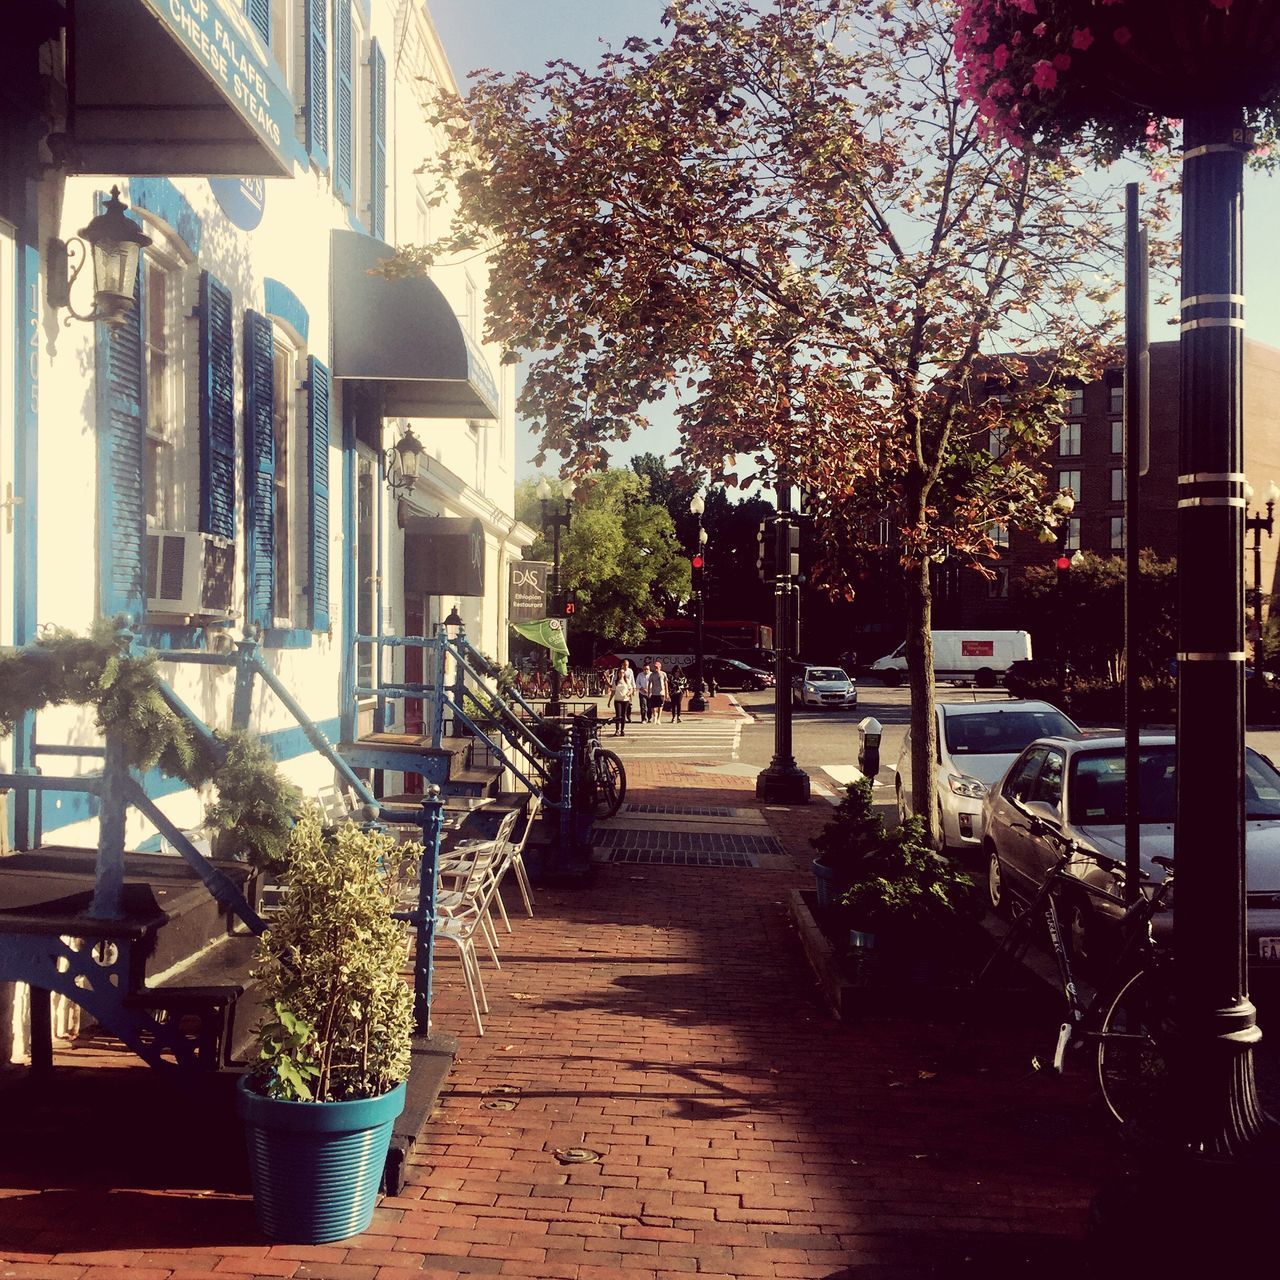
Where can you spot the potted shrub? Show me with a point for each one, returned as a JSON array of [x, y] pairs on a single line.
[[334, 1050], [853, 832], [891, 891]]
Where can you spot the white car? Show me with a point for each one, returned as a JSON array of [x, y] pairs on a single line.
[[977, 742], [823, 687]]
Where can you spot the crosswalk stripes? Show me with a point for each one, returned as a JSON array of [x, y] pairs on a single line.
[[714, 739]]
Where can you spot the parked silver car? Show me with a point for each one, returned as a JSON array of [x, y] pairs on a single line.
[[1060, 787], [977, 742], [823, 687]]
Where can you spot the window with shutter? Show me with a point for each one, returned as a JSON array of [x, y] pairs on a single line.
[[377, 142], [343, 101], [318, 383], [217, 410], [259, 452], [121, 421], [259, 13], [316, 99]]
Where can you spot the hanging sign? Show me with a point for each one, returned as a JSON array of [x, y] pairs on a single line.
[[528, 590], [241, 199]]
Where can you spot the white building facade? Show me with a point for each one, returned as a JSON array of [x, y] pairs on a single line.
[[217, 466]]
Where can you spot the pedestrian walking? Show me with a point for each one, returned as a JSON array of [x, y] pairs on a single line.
[[642, 690], [624, 689], [711, 684], [679, 685], [659, 684], [631, 668]]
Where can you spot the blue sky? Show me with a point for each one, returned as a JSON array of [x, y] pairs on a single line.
[[514, 35]]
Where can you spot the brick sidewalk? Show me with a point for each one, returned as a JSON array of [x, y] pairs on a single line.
[[662, 1017]]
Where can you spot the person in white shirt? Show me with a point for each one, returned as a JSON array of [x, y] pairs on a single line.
[[622, 691], [642, 688]]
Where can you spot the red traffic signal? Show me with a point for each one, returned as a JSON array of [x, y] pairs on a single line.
[[570, 604], [697, 562], [1063, 562]]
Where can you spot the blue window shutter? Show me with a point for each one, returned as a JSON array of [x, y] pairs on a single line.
[[316, 103], [260, 468], [217, 410], [318, 444], [343, 94], [121, 414], [377, 142], [259, 12]]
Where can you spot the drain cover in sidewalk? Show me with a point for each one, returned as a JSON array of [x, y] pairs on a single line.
[[685, 811], [685, 848]]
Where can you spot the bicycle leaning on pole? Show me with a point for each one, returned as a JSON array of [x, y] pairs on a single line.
[[1126, 1024], [606, 776]]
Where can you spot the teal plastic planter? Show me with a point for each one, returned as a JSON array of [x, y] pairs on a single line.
[[315, 1167]]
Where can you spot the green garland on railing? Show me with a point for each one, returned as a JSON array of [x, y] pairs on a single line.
[[256, 807]]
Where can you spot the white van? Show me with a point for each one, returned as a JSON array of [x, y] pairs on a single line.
[[978, 656]]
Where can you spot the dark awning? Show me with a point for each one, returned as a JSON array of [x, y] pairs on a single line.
[[403, 336], [176, 87], [443, 556]]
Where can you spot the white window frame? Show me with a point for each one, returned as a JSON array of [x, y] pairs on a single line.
[[998, 532], [1117, 437], [997, 441], [172, 429], [1073, 534], [422, 217], [1069, 440], [1117, 484], [285, 27], [1074, 407], [1117, 533], [1070, 479], [1115, 393], [292, 568]]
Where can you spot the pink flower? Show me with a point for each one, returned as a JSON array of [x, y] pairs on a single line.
[[1122, 35], [1062, 61], [1039, 29], [1081, 38], [1043, 76], [1000, 58]]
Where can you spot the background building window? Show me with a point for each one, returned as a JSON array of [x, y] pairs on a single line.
[[1073, 534], [996, 441], [1117, 484], [999, 534], [1069, 439], [1070, 480], [998, 587], [1117, 397], [422, 219], [1117, 437], [1075, 402], [1117, 533], [282, 38]]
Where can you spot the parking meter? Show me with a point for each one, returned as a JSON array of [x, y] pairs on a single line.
[[870, 731]]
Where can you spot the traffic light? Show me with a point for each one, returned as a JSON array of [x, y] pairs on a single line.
[[697, 563], [1063, 563], [570, 606]]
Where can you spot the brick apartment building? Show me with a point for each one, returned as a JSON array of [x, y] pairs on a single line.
[[1089, 460]]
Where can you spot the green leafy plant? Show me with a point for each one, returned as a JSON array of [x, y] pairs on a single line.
[[341, 1014], [255, 807], [903, 885], [893, 881]]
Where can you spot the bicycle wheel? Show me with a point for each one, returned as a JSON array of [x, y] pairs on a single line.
[[611, 784], [1133, 1065]]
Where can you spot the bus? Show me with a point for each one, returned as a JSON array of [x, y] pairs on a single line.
[[729, 633]]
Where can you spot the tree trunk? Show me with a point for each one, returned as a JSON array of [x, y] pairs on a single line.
[[924, 724]]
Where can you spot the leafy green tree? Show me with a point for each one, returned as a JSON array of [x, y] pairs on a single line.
[[1088, 609], [783, 212], [620, 554]]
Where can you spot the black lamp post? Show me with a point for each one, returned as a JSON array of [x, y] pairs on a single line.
[[1063, 505], [1258, 525], [698, 701], [552, 522]]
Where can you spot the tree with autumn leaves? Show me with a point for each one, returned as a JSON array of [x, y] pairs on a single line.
[[784, 213]]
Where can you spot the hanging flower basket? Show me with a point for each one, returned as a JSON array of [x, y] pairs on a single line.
[[1118, 71]]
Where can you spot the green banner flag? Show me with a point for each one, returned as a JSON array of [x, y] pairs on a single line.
[[548, 632]]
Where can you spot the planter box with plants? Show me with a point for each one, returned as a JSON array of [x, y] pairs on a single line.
[[894, 913], [334, 1051]]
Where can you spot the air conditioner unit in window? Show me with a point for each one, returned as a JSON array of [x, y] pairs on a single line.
[[190, 573]]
